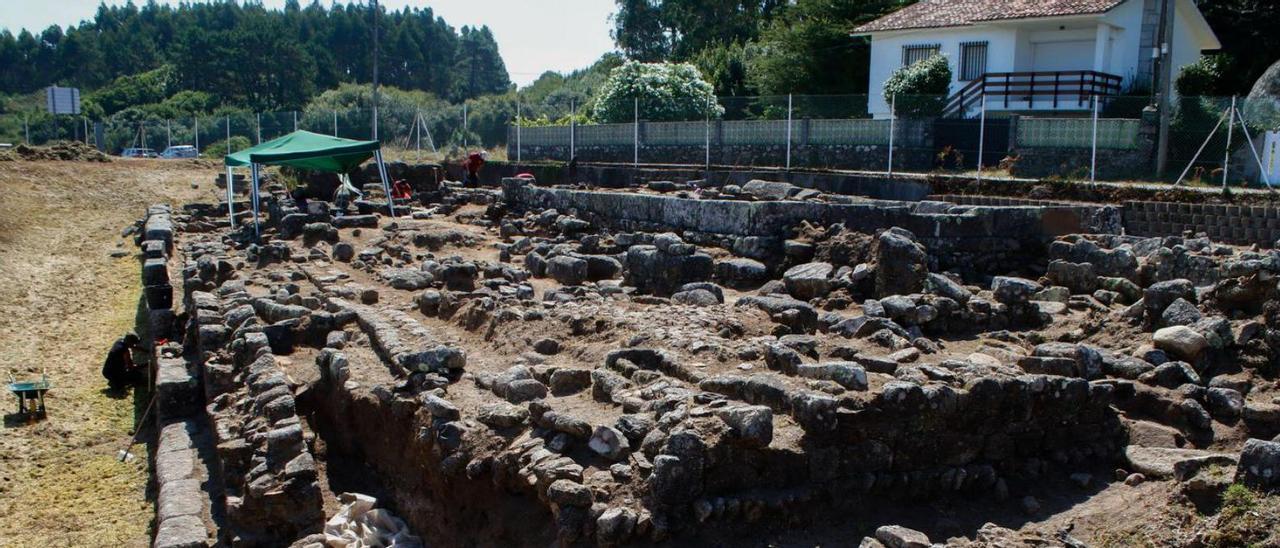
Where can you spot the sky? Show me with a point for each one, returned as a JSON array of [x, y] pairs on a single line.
[[533, 36]]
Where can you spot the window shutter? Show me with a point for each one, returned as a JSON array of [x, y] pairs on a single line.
[[973, 60]]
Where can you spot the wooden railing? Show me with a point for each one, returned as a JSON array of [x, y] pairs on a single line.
[[1018, 89]]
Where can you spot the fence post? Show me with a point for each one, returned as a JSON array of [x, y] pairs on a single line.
[[518, 124], [335, 123], [1093, 161], [257, 131], [417, 128], [893, 120], [982, 136], [573, 128], [1226, 154], [197, 134], [464, 126], [168, 133], [708, 138], [295, 120], [228, 136], [635, 135], [788, 132], [26, 129]]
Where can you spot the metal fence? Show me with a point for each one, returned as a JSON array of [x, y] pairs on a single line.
[[1211, 139], [1101, 138], [407, 134]]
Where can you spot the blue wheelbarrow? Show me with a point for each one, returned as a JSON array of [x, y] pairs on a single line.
[[30, 394]]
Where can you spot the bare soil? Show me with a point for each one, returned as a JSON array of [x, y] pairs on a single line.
[[63, 300]]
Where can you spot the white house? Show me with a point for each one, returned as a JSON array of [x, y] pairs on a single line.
[[1034, 55]]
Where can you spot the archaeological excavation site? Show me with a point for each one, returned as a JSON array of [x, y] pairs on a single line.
[[613, 356]]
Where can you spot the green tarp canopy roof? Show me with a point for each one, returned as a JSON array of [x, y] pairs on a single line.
[[306, 150]]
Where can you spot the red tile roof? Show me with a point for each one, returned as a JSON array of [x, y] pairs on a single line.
[[955, 13]]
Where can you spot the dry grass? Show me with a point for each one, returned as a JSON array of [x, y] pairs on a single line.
[[63, 300]]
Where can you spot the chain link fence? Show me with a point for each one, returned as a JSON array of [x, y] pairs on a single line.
[[1107, 138], [1110, 138]]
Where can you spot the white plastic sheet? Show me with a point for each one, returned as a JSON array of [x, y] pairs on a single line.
[[359, 525]]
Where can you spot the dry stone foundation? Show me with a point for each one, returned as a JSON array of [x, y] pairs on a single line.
[[669, 362]]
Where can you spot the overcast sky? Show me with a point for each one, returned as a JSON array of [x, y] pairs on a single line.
[[533, 35]]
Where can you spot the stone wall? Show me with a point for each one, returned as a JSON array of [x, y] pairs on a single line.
[[181, 460], [1237, 224], [915, 150], [266, 470], [985, 238], [871, 185]]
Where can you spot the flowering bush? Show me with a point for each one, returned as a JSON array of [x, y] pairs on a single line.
[[921, 87], [666, 92]]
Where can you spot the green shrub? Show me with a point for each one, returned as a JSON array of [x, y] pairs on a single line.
[[218, 149], [1204, 77], [921, 87]]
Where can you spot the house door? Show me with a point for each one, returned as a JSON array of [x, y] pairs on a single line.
[[1058, 56]]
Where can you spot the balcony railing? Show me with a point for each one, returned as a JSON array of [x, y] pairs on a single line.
[[1031, 90]]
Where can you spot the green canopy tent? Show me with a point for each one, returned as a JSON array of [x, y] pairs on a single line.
[[305, 150]]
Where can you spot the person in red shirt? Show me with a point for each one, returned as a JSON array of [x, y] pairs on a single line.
[[401, 190], [473, 163]]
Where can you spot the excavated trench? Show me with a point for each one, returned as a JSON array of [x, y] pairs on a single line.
[[542, 365]]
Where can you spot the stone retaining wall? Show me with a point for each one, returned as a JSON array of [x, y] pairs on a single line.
[[269, 476], [1237, 224], [968, 238], [183, 505]]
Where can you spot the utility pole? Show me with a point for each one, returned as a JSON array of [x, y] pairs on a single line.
[[375, 69], [1164, 54]]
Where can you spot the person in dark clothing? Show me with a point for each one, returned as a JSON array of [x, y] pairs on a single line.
[[472, 165], [300, 198], [119, 368]]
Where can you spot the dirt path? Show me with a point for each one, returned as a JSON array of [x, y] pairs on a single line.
[[63, 300]]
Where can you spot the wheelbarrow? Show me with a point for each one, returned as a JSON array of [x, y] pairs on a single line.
[[30, 394]]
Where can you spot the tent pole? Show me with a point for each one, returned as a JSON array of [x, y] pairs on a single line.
[[386, 185], [231, 213], [257, 232]]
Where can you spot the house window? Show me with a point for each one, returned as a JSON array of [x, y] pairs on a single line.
[[973, 60], [919, 52]]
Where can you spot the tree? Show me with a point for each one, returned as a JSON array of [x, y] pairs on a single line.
[[676, 30], [665, 91], [479, 68], [921, 88], [1247, 30], [245, 54], [807, 49], [726, 66]]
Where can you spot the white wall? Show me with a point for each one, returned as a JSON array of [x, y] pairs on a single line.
[[1126, 35], [1185, 49], [886, 55], [1013, 45]]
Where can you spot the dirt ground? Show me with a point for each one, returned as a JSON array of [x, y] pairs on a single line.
[[63, 299]]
